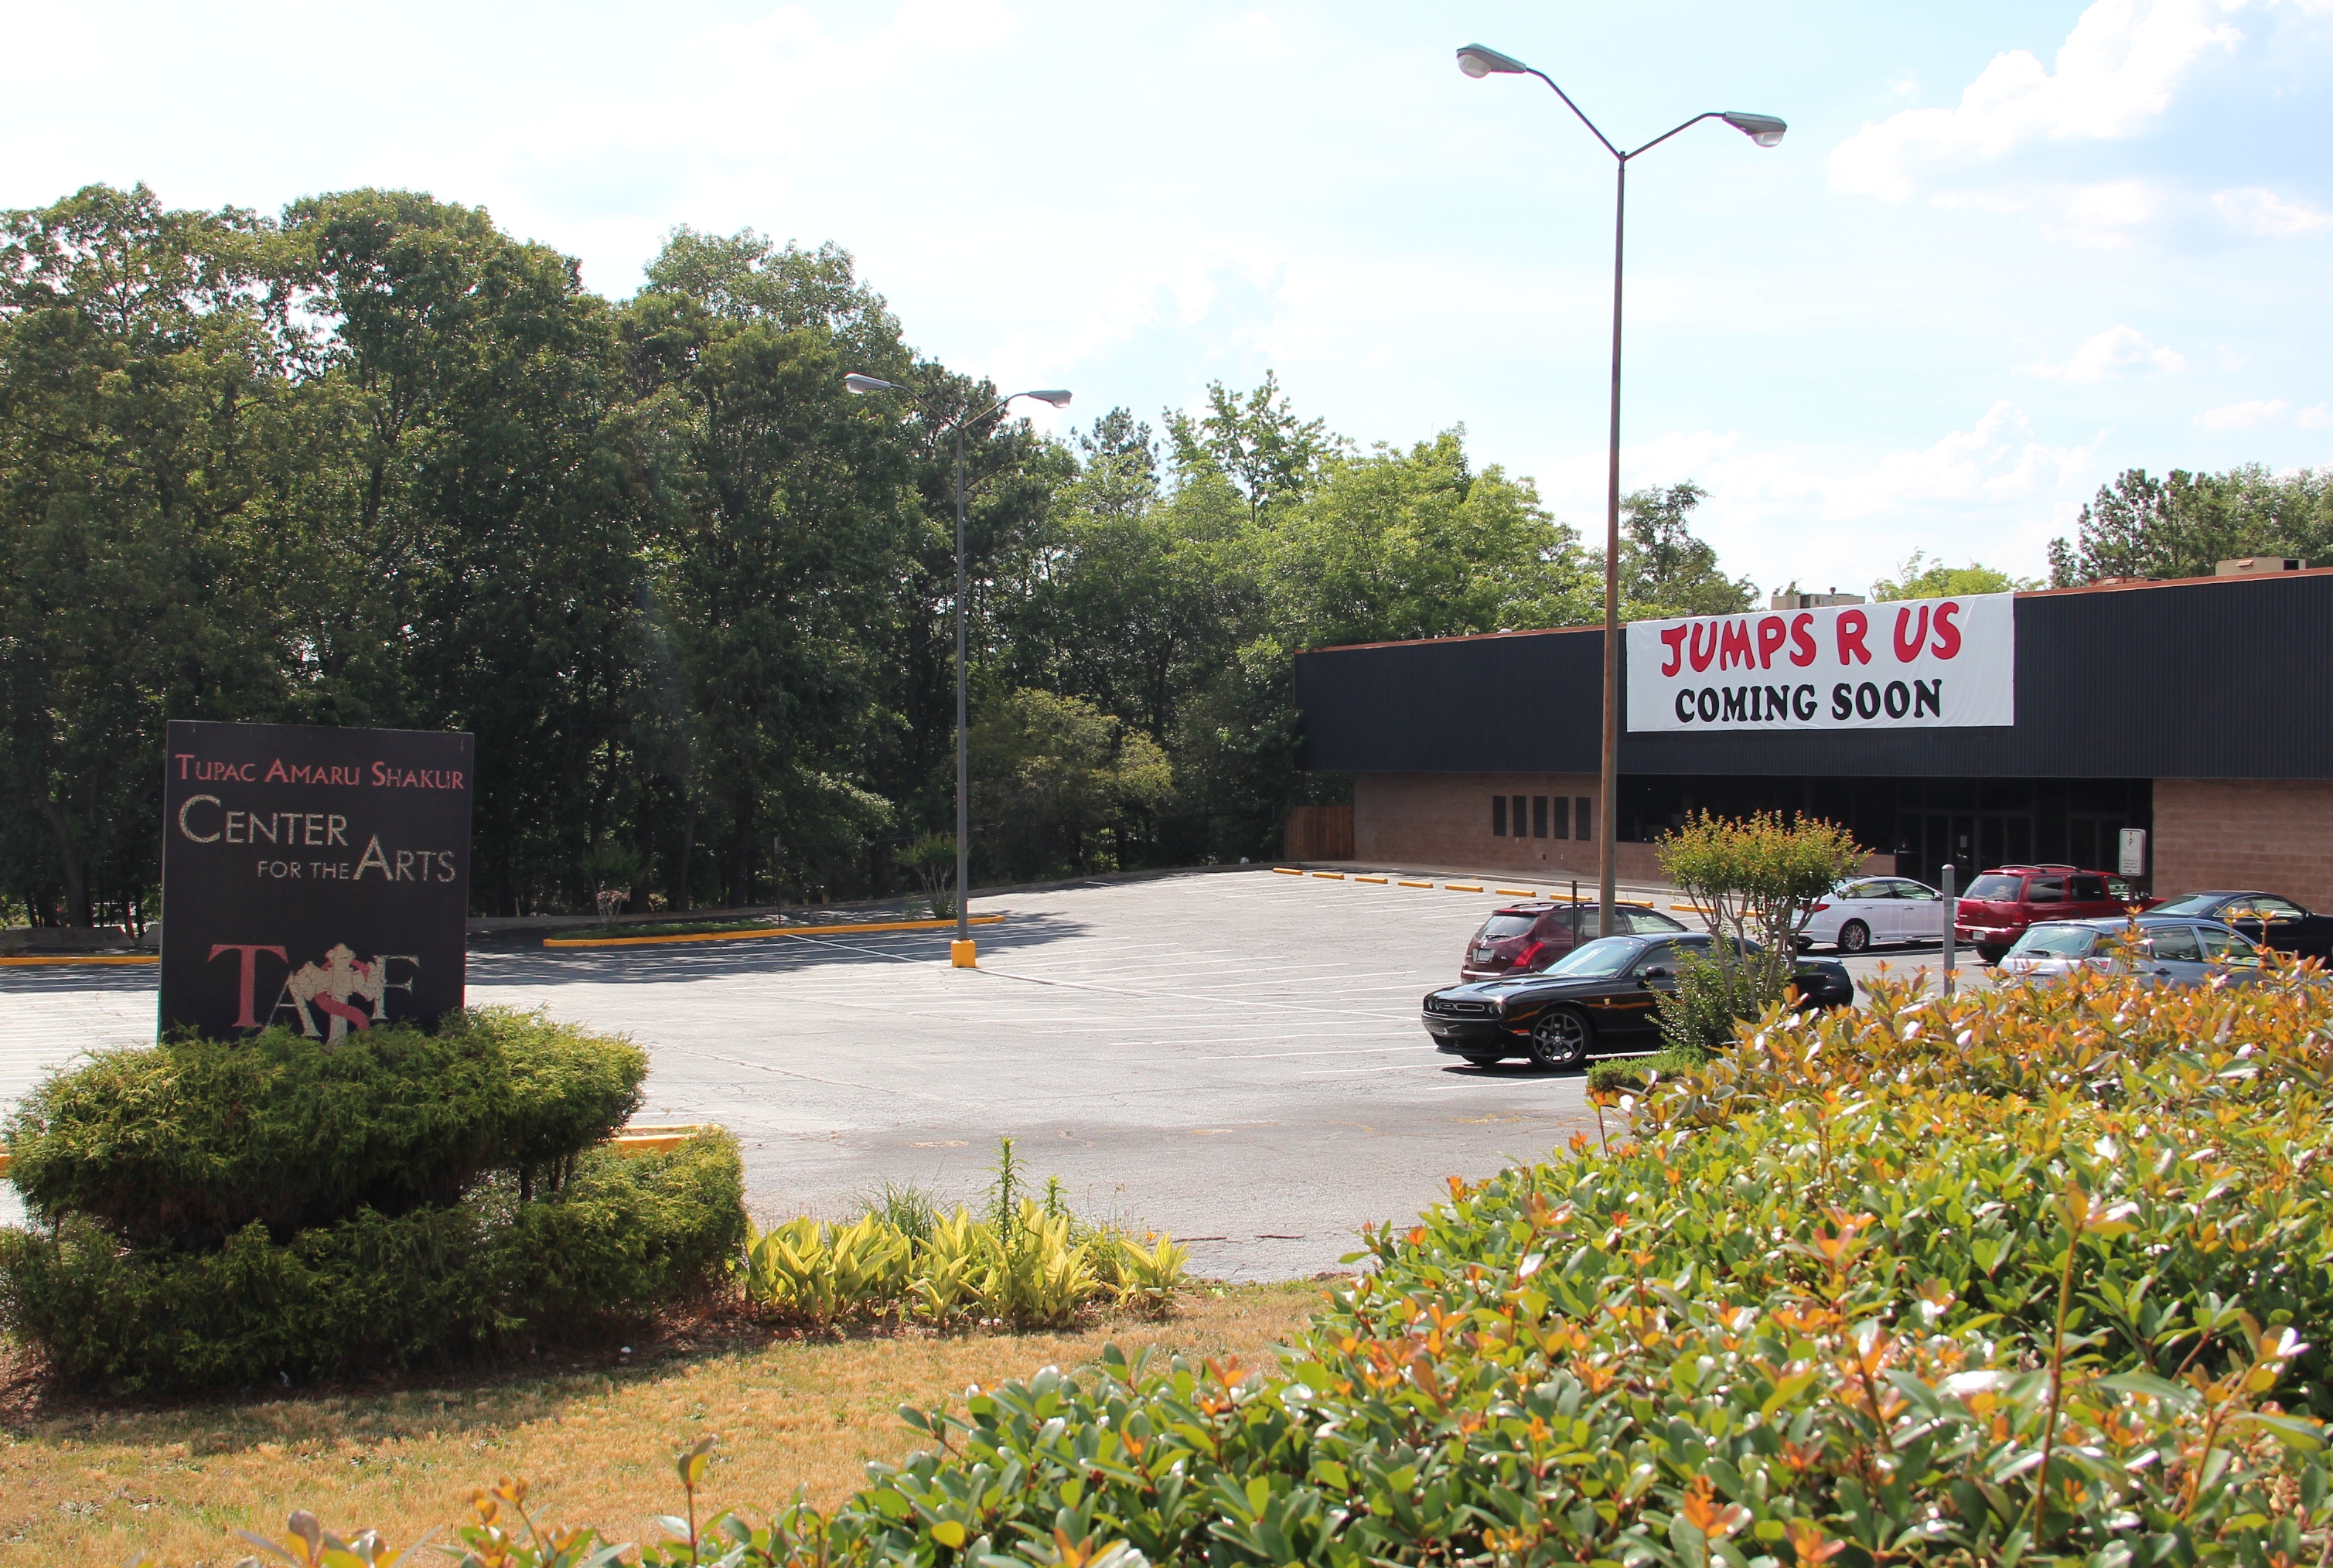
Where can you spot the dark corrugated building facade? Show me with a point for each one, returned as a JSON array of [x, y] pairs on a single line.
[[2200, 710]]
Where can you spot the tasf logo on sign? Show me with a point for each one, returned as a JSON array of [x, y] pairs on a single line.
[[1924, 663]]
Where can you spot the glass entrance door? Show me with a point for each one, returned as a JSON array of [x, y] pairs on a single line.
[[1969, 841]]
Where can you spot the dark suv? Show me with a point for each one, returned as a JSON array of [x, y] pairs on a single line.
[[1531, 936], [2001, 904]]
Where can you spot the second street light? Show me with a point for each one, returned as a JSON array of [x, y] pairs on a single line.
[[1766, 130], [961, 951]]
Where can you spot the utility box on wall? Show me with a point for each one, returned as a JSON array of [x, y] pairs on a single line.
[[314, 877]]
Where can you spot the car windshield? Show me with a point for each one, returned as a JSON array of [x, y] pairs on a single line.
[[2056, 941], [1500, 925], [1606, 955], [2194, 903], [1993, 886]]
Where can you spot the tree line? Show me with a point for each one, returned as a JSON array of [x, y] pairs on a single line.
[[374, 461]]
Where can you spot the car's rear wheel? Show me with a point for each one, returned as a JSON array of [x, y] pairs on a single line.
[[1561, 1038], [1854, 936], [1991, 954], [1476, 1061]]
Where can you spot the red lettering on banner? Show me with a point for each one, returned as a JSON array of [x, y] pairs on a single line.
[[1693, 648], [243, 1019], [1854, 626], [1948, 635], [1802, 640], [1770, 634], [1908, 648], [1673, 639], [1736, 636]]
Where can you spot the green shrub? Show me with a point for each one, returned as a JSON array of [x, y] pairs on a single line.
[[630, 1234], [215, 1212], [192, 1140], [376, 1292], [1041, 1268]]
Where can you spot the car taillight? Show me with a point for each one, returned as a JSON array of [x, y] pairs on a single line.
[[1820, 907], [1529, 955]]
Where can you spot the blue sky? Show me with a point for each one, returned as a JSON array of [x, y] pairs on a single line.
[[2006, 250]]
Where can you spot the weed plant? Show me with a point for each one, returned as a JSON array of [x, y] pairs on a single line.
[[2033, 1276]]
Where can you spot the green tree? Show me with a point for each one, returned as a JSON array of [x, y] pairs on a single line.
[[469, 558], [1754, 882], [1664, 568], [1922, 577], [1051, 776], [149, 447], [782, 544], [1267, 454]]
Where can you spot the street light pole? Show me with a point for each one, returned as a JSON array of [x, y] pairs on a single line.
[[962, 953], [1766, 130]]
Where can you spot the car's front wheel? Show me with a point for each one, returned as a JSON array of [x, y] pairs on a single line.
[[1854, 936], [1561, 1038]]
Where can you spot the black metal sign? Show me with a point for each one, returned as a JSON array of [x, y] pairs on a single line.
[[315, 878]]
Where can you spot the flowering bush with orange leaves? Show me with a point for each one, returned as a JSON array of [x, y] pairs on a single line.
[[2033, 1276]]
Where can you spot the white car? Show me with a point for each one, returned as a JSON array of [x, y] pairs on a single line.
[[1872, 910]]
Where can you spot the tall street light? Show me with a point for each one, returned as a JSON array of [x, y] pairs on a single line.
[[961, 951], [1766, 130]]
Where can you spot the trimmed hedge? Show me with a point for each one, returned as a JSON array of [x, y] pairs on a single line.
[[186, 1142], [215, 1213], [379, 1291]]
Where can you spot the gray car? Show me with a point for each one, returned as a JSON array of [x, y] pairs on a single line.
[[2170, 950]]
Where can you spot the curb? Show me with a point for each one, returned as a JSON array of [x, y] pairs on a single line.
[[765, 931], [1466, 887], [15, 960]]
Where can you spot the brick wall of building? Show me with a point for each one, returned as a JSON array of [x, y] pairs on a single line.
[[2275, 835], [1445, 820]]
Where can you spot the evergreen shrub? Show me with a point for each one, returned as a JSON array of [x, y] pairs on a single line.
[[213, 1212], [196, 1138]]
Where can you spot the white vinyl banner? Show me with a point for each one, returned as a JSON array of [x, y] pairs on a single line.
[[1922, 663]]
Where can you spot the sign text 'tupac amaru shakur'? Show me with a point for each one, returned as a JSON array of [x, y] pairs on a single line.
[[316, 878]]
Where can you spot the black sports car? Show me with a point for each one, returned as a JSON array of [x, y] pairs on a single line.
[[2268, 920], [1598, 998]]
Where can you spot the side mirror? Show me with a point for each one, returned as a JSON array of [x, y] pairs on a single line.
[[1657, 972]]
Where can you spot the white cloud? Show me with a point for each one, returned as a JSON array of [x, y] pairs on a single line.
[[2117, 70], [2314, 417], [2244, 416], [1995, 491], [2106, 356], [2252, 210]]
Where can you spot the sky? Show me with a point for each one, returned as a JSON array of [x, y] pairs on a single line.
[[2005, 251]]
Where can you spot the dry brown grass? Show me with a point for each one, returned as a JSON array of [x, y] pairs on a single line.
[[94, 1485]]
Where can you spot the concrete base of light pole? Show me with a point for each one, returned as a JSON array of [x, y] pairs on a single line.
[[963, 954]]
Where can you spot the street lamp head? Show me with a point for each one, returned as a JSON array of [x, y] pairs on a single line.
[[862, 385], [1478, 62], [1762, 128], [1056, 396]]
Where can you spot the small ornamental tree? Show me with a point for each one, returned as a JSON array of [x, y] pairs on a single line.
[[1754, 881]]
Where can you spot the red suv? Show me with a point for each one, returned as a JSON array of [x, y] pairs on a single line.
[[2001, 904], [1524, 937]]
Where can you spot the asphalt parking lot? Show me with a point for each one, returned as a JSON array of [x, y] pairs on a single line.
[[1233, 1058]]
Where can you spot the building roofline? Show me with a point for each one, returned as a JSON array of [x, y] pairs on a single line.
[[2128, 586]]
